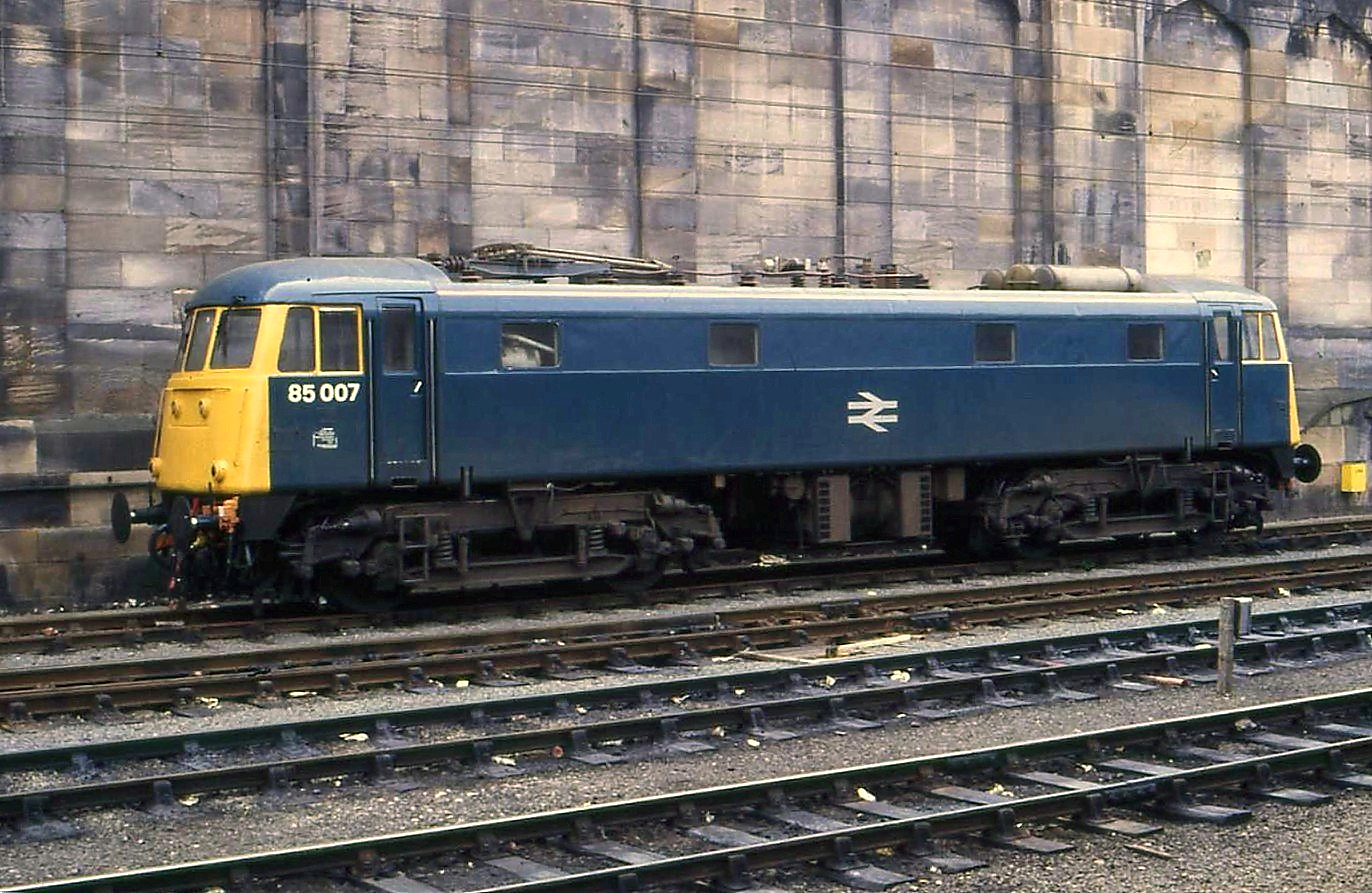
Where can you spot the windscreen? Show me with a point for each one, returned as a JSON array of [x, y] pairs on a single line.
[[235, 338], [198, 341]]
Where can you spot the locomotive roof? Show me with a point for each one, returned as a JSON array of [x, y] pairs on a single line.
[[311, 278], [737, 301], [302, 278]]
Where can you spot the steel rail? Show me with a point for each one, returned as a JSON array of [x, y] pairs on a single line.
[[475, 837], [1038, 667], [1168, 639], [56, 632], [723, 863], [266, 672], [1021, 599]]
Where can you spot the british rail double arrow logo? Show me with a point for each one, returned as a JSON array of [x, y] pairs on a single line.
[[873, 412]]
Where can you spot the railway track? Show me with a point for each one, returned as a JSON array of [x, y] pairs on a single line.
[[555, 649], [57, 632], [867, 825], [689, 715]]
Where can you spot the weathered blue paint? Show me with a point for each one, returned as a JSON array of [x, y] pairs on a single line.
[[318, 444], [653, 423], [634, 396], [1266, 403], [1225, 392], [400, 394], [314, 279]]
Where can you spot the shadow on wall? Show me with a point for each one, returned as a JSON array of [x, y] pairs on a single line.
[[80, 584], [1311, 501]]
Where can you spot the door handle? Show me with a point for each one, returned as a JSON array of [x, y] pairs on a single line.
[[418, 386], [1214, 373]]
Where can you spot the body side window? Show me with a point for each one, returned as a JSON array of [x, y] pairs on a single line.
[[994, 342], [733, 344], [1145, 341], [529, 345]]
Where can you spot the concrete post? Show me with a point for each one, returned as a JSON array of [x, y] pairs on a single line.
[[1224, 661]]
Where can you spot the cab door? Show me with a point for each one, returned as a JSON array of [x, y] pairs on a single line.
[[401, 419], [1223, 382], [1266, 381]]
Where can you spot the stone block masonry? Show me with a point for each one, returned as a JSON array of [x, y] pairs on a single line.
[[147, 145]]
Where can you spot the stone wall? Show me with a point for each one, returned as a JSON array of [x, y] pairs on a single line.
[[147, 145]]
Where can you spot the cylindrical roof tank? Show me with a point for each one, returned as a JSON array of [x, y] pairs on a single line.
[[1058, 278]]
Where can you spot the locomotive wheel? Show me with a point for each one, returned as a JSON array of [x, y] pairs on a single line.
[[697, 560], [982, 544], [357, 595], [1035, 547], [1251, 522], [972, 542], [1202, 537], [632, 582], [954, 536]]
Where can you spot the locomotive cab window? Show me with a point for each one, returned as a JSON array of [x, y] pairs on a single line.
[[185, 342], [297, 342], [1219, 339], [1145, 341], [733, 344], [1252, 345], [397, 333], [994, 342], [1262, 338], [528, 345], [337, 335], [1271, 340], [339, 340], [235, 338], [198, 340]]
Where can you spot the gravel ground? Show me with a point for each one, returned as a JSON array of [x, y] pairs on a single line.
[[1323, 848], [304, 705], [555, 620]]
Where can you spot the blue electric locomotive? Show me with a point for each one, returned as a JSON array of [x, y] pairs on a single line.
[[359, 428]]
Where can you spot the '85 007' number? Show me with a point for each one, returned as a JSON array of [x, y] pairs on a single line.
[[327, 392]]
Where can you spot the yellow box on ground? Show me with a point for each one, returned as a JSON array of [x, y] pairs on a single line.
[[1353, 477]]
